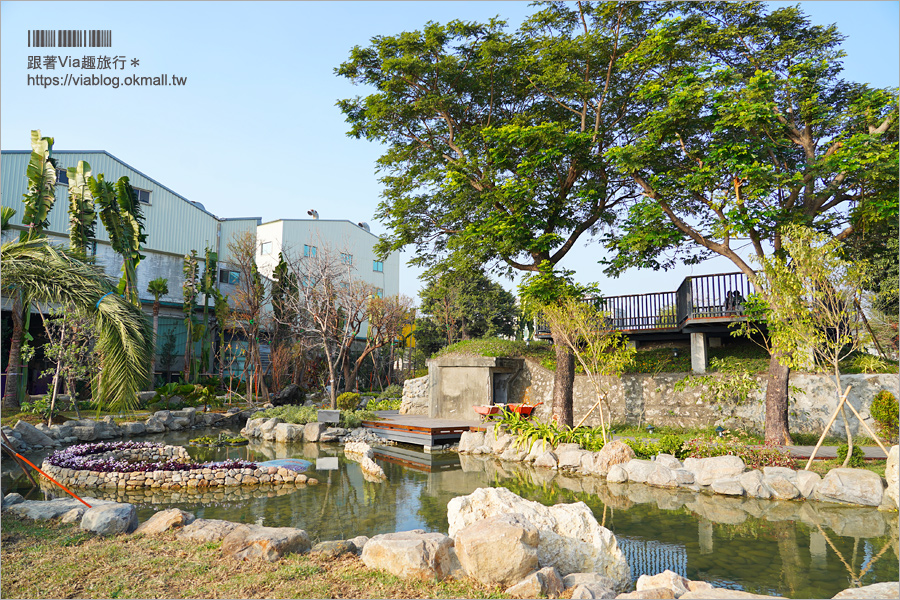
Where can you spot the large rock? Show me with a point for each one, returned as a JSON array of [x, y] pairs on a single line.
[[589, 591], [707, 470], [852, 486], [33, 436], [165, 520], [469, 440], [498, 550], [154, 425], [266, 543], [412, 554], [639, 470], [288, 432], [333, 549], [206, 530], [615, 452], [753, 484], [663, 476], [292, 394], [667, 579], [728, 487], [546, 460], [876, 591], [110, 519], [545, 583], [617, 474], [806, 482], [312, 431], [130, 429], [667, 460], [571, 540], [891, 476], [41, 510], [571, 459]]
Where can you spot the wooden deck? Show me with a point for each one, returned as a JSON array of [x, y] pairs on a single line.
[[418, 430], [420, 461]]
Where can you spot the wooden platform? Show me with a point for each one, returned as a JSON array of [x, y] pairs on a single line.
[[418, 430], [420, 461]]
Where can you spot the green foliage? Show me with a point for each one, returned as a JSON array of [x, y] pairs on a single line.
[[121, 215], [299, 415], [348, 401], [82, 215], [497, 347], [41, 406], [736, 444], [386, 404], [884, 410], [731, 381], [391, 391], [867, 363], [41, 194], [351, 419], [857, 457]]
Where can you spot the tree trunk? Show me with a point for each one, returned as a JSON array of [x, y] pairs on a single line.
[[563, 384], [777, 403], [14, 366], [155, 331]]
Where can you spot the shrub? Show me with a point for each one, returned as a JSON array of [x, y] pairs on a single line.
[[298, 415], [386, 404], [672, 444], [348, 401], [351, 419], [857, 458], [392, 391], [884, 410], [754, 457]]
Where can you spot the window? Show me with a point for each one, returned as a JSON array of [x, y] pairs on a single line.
[[309, 251], [265, 248], [229, 277], [62, 178], [142, 196], [378, 266], [379, 292], [346, 259]]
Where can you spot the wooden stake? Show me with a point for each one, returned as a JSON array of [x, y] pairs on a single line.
[[866, 425], [827, 427]]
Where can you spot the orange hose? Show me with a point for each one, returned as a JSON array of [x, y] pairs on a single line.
[[53, 480]]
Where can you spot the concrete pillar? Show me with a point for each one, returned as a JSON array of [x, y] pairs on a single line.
[[699, 353]]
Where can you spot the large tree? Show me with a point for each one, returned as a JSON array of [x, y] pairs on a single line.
[[496, 142], [748, 128]]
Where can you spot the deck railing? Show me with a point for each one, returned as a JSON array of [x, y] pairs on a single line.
[[698, 297]]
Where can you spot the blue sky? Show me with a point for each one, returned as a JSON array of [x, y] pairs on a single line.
[[260, 96]]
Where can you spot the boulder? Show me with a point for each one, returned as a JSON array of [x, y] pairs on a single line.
[[538, 447], [165, 520], [33, 436], [575, 579], [571, 459], [639, 470], [130, 429], [546, 460], [288, 433], [333, 549], [41, 510], [266, 543], [707, 470], [502, 440], [74, 516], [663, 476], [782, 488], [615, 452], [592, 590], [617, 474], [545, 583], [666, 579], [852, 486], [469, 440], [729, 487], [753, 484], [312, 431], [206, 530], [891, 476], [499, 550], [110, 519], [11, 499], [570, 540], [806, 482], [292, 394], [876, 591], [154, 425], [359, 542], [413, 554], [667, 460]]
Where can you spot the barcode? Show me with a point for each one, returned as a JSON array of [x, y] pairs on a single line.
[[69, 38]]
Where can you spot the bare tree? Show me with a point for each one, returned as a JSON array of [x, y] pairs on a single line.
[[329, 305], [250, 315], [387, 317]]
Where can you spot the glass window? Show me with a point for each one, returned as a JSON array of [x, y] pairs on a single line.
[[379, 292], [378, 265], [309, 251], [229, 277], [265, 248], [142, 196], [62, 178], [346, 259]]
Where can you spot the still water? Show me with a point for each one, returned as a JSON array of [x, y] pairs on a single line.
[[795, 549]]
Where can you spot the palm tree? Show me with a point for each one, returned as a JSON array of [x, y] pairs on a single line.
[[54, 275], [158, 287]]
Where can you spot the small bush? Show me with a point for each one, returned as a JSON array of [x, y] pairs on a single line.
[[387, 404], [351, 419], [672, 444], [421, 372], [298, 415], [857, 458], [348, 401], [884, 410], [392, 391]]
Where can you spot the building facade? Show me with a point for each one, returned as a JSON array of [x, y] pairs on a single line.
[[174, 227]]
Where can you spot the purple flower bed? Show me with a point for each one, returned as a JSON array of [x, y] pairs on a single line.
[[79, 458]]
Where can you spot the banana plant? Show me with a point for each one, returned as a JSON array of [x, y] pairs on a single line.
[[207, 287], [189, 291], [120, 214], [82, 216], [6, 213], [41, 194]]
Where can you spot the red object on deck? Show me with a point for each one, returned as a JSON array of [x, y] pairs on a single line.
[[523, 409], [486, 410]]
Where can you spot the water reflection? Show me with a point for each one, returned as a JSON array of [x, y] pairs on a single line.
[[796, 549]]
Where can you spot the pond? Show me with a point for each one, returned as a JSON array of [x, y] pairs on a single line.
[[795, 549]]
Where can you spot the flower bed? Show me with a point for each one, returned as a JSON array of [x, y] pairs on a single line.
[[132, 465]]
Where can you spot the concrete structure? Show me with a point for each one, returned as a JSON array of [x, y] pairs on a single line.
[[174, 226], [457, 383]]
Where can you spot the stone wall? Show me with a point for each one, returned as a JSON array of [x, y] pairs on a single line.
[[415, 396], [644, 399]]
